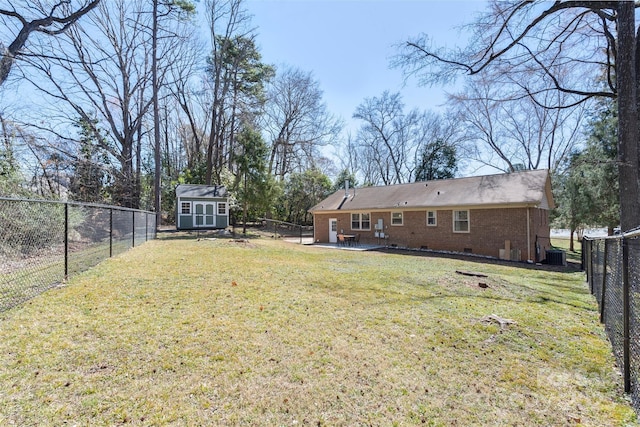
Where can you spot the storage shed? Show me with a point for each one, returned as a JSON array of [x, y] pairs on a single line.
[[202, 207]]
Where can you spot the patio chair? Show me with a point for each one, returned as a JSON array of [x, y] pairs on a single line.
[[341, 241], [356, 240]]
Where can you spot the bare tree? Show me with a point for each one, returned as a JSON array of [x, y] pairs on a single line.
[[544, 136], [45, 17], [509, 133], [192, 94], [168, 8], [479, 114], [297, 122], [538, 42], [388, 136], [105, 72]]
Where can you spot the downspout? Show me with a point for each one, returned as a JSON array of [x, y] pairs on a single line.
[[314, 227], [528, 235]]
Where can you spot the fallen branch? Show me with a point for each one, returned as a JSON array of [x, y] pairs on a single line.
[[468, 273]]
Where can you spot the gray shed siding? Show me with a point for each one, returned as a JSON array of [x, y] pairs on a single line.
[[201, 207], [203, 213]]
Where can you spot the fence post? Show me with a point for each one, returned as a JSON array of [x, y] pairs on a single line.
[[585, 261], [586, 253], [604, 282], [625, 315], [66, 240], [146, 227], [110, 233], [590, 262], [133, 229]]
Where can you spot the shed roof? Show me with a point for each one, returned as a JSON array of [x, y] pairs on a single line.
[[526, 188], [206, 191]]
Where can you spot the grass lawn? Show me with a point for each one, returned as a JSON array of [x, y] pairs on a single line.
[[220, 332]]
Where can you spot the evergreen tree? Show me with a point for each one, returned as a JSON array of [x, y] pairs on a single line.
[[574, 198], [342, 179], [587, 191], [438, 162], [254, 187], [301, 192], [599, 166], [10, 177], [88, 180]]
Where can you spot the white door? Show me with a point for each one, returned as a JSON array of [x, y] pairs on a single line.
[[204, 214], [333, 230]]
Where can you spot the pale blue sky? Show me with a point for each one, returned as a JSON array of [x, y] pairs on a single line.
[[347, 45]]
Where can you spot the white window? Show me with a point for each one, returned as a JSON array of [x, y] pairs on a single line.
[[460, 221], [185, 208], [396, 218], [222, 208], [432, 218], [360, 221]]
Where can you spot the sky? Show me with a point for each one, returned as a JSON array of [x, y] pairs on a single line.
[[347, 45]]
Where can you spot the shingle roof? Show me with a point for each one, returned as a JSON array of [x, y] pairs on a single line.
[[526, 188], [194, 190]]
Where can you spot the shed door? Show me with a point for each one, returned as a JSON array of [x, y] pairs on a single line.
[[209, 215], [204, 214]]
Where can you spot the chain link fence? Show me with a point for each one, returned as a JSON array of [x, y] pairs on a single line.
[[612, 265], [287, 230], [42, 243]]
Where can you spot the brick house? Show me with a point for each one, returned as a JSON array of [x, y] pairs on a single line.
[[504, 216]]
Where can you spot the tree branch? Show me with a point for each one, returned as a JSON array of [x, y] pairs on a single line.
[[37, 25]]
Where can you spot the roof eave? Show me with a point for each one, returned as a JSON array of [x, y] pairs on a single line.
[[531, 204]]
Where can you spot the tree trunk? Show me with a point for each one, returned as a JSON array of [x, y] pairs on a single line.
[[209, 170], [627, 117], [138, 172], [571, 247], [245, 208], [156, 117]]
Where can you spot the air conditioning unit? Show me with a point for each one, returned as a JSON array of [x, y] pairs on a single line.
[[556, 257]]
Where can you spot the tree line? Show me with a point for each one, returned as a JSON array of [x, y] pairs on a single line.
[[133, 96]]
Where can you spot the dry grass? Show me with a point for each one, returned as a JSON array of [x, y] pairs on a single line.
[[217, 332]]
